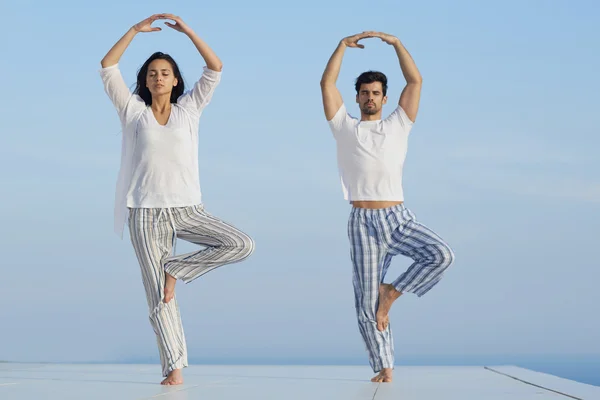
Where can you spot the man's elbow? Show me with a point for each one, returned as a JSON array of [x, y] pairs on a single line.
[[417, 80], [326, 82]]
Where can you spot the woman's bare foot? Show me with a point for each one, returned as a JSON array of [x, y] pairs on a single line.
[[169, 287], [385, 375], [387, 295], [174, 378]]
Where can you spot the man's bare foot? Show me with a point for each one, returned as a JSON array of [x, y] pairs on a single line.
[[174, 378], [387, 295], [169, 287], [385, 375]]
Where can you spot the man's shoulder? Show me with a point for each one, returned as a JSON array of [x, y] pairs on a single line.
[[343, 114], [398, 119]]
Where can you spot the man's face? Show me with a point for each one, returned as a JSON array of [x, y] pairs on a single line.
[[370, 98]]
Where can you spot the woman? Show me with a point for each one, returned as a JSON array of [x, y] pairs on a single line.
[[158, 186]]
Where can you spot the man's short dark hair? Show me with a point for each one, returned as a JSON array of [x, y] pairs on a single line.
[[370, 77]]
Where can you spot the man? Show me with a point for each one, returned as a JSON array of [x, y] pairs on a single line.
[[371, 154]]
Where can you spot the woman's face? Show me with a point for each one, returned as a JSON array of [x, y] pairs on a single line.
[[160, 78]]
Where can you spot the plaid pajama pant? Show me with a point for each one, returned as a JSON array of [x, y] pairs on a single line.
[[376, 235], [153, 233]]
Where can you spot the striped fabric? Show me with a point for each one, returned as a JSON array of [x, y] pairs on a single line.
[[376, 235], [153, 234]]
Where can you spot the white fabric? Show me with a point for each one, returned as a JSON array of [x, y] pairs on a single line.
[[371, 155], [155, 156], [165, 162]]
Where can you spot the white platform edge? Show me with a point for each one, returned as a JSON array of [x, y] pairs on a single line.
[[565, 387]]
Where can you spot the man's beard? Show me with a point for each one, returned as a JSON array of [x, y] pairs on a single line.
[[369, 111]]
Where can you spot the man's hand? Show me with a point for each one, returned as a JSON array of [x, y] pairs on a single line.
[[389, 39], [352, 41]]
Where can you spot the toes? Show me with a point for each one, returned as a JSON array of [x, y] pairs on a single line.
[[382, 323], [173, 382]]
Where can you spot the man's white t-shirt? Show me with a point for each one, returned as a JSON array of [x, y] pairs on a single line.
[[371, 155]]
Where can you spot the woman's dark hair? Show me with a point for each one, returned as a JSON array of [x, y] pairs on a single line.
[[370, 77], [142, 90]]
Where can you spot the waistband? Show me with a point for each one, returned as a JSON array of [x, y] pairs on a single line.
[[376, 211]]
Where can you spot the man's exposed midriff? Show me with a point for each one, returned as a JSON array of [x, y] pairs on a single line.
[[374, 204]]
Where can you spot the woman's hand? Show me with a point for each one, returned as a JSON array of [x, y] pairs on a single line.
[[146, 25], [179, 25]]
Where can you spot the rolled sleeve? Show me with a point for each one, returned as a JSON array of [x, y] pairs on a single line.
[[115, 87], [201, 94]]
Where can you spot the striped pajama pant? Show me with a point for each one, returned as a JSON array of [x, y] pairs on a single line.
[[153, 233], [376, 235]]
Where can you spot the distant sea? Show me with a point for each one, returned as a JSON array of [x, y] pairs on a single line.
[[580, 368]]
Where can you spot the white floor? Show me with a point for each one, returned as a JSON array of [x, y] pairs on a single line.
[[115, 382]]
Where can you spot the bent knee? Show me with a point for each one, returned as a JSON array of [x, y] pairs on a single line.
[[446, 255], [245, 247]]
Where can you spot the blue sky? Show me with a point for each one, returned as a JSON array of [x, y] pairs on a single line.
[[502, 163]]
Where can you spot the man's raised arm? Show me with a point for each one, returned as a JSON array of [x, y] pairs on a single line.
[[411, 94], [332, 99]]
